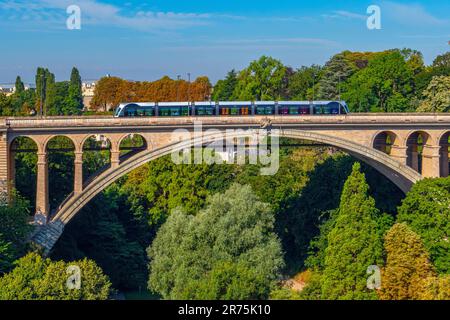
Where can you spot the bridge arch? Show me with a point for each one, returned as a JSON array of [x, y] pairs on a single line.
[[17, 147], [444, 143], [131, 144], [403, 176], [28, 137], [385, 140], [52, 137], [97, 149]]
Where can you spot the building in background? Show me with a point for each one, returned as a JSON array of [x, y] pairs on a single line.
[[9, 89], [87, 90]]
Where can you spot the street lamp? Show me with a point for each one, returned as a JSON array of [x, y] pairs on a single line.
[[189, 86], [314, 84], [178, 87]]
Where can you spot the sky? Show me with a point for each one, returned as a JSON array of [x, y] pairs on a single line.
[[145, 40]]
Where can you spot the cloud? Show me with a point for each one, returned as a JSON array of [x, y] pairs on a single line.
[[94, 12], [342, 14], [411, 14]]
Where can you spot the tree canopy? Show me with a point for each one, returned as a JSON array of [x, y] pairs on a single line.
[[426, 210], [227, 251], [36, 278], [353, 243], [407, 265]]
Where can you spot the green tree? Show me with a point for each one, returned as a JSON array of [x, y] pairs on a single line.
[[224, 89], [437, 288], [303, 80], [262, 80], [442, 62], [6, 255], [385, 85], [407, 266], [99, 233], [414, 60], [160, 187], [336, 71], [40, 89], [36, 278], [436, 96], [426, 210], [19, 86], [227, 251], [14, 230], [353, 243], [74, 103]]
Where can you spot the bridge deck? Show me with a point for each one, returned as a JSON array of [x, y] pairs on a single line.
[[404, 119]]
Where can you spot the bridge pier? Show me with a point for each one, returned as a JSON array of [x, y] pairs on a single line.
[[444, 161], [42, 197], [11, 171], [115, 158], [78, 174], [399, 154], [431, 161], [4, 167]]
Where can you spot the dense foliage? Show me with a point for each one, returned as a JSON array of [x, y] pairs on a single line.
[[36, 278], [227, 251], [426, 211], [110, 91], [14, 230], [408, 268]]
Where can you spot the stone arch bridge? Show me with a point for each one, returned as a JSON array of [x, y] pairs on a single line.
[[403, 147]]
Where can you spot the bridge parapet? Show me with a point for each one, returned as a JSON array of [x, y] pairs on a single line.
[[353, 119]]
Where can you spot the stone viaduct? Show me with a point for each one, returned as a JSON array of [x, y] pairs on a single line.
[[403, 147]]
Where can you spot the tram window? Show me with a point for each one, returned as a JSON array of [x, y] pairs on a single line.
[[174, 111], [164, 112], [334, 107], [284, 110], [318, 109], [304, 110], [260, 110], [130, 112], [185, 111], [326, 110], [149, 111], [199, 111], [244, 111], [293, 110]]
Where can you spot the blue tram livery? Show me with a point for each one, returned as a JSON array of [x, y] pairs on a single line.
[[231, 108]]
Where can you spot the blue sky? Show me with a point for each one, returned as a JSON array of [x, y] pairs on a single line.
[[144, 40]]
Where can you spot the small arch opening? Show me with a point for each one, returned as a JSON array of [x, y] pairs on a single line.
[[23, 157], [444, 143], [385, 141], [131, 145], [61, 156], [416, 143], [96, 155]]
